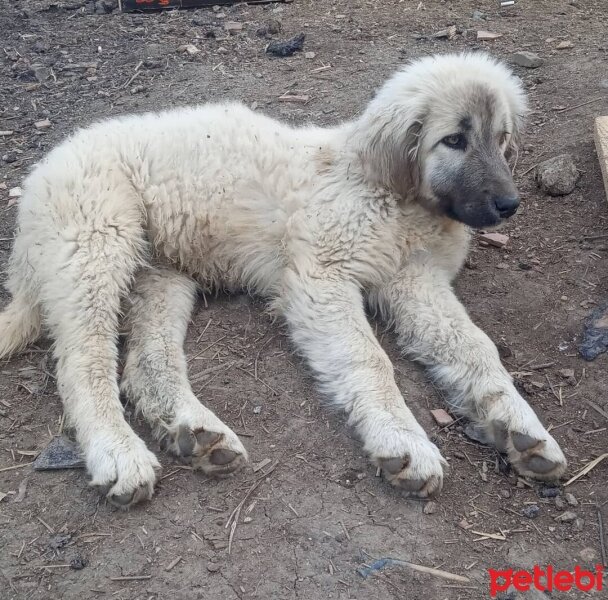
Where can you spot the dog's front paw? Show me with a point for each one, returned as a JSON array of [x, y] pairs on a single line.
[[410, 462], [122, 467]]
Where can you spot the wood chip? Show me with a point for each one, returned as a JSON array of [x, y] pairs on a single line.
[[261, 465], [299, 98], [131, 578], [594, 463], [491, 536], [2, 496], [46, 525], [488, 35], [15, 467], [15, 192], [233, 27], [173, 563], [442, 418], [601, 146], [498, 240], [44, 124], [6, 133], [448, 33], [565, 45], [188, 49], [22, 491]]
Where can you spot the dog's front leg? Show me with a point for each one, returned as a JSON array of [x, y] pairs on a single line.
[[434, 328], [329, 326]]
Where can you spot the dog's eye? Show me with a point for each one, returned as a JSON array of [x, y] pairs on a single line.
[[456, 141]]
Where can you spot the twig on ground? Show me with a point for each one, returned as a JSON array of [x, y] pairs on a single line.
[[594, 463]]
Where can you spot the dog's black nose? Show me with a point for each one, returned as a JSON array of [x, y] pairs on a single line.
[[506, 206]]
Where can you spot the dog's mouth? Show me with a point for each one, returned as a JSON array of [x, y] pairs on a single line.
[[484, 217]]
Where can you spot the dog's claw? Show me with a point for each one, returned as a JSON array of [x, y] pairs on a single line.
[[186, 441], [394, 465], [541, 465], [523, 441], [222, 456], [129, 499], [402, 474]]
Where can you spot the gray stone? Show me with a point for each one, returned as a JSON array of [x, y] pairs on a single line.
[[566, 517], [60, 453], [588, 554], [531, 511], [523, 58], [104, 7], [570, 499], [557, 176], [560, 504], [549, 492]]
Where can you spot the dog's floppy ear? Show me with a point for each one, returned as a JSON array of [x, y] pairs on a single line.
[[388, 149], [518, 106]]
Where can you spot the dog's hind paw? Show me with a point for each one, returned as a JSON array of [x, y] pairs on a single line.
[[212, 452], [538, 457], [417, 469]]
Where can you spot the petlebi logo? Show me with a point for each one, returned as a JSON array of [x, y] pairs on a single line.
[[546, 579]]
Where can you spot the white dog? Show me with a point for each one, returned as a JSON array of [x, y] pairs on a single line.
[[143, 209]]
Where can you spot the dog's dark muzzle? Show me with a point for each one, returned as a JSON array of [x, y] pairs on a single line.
[[506, 206]]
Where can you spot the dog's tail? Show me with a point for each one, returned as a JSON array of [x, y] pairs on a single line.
[[20, 324]]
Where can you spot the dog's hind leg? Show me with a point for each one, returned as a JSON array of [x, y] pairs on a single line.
[[434, 328], [155, 377], [88, 270]]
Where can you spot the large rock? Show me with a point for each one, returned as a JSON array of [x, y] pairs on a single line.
[[527, 59], [557, 176]]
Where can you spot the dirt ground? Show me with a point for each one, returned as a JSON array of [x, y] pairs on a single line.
[[321, 513]]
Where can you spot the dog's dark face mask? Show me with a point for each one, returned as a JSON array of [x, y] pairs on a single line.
[[466, 174]]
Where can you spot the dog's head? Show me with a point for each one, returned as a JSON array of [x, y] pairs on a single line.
[[441, 131]]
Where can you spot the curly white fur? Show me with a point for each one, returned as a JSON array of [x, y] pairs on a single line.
[[318, 220]]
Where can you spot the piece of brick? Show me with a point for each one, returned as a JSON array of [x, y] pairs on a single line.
[[499, 240], [442, 418]]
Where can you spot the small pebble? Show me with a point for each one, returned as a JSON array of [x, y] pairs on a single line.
[[531, 511], [527, 59], [566, 517], [430, 508], [505, 493], [11, 157], [549, 492], [44, 124], [78, 562], [559, 503], [213, 567], [588, 554], [570, 499], [578, 525], [557, 176]]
